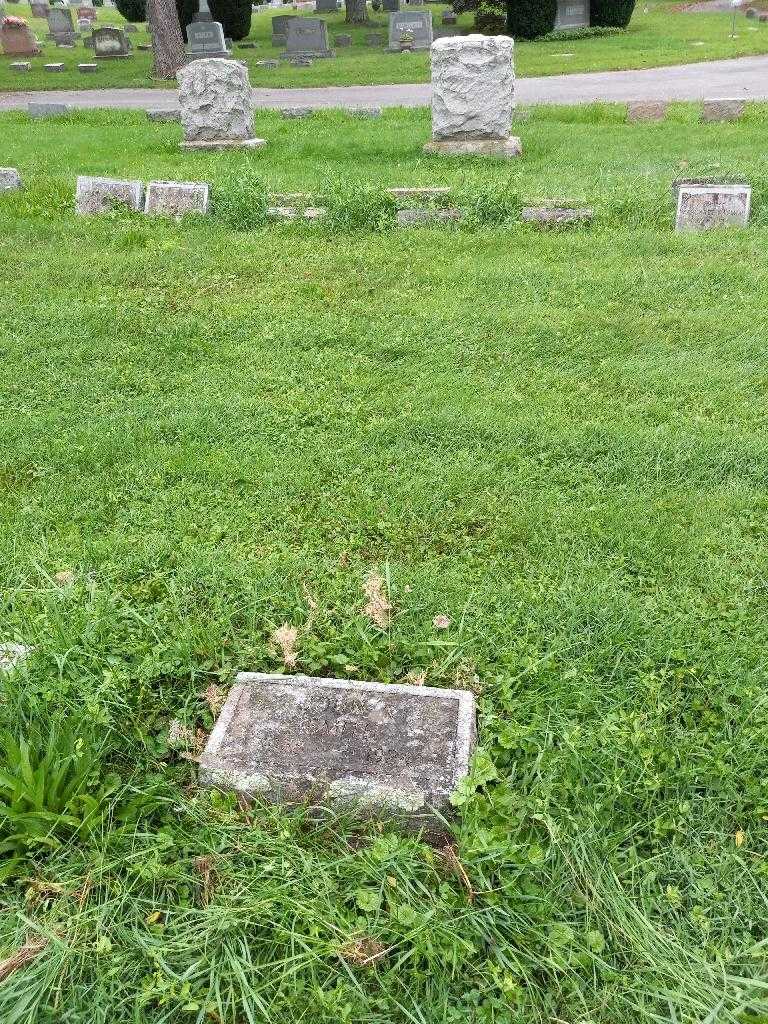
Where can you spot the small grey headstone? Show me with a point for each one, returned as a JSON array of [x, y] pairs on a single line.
[[101, 195], [387, 750], [448, 18], [414, 24], [9, 179], [20, 65], [300, 62], [375, 39], [87, 69], [572, 14], [42, 109], [701, 207], [205, 39], [326, 6], [722, 110], [174, 114], [342, 40], [110, 43], [307, 37], [280, 28], [646, 110], [176, 198], [290, 112], [391, 6], [53, 67]]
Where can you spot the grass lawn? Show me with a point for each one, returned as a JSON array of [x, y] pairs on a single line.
[[663, 36], [555, 439]]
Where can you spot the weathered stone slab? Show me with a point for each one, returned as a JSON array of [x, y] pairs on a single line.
[[174, 114], [410, 28], [39, 108], [216, 104], [9, 179], [429, 192], [326, 6], [506, 148], [343, 40], [701, 207], [646, 110], [270, 65], [21, 66], [556, 216], [572, 14], [375, 39], [381, 749], [391, 6], [102, 195], [293, 212], [419, 217], [61, 27], [473, 87], [53, 67], [722, 110], [87, 69], [176, 198], [12, 656], [364, 111]]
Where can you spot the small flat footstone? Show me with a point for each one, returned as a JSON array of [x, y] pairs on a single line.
[[9, 179], [429, 192], [389, 750], [508, 148], [87, 69], [364, 111], [176, 198], [42, 109], [102, 195], [702, 207], [225, 144], [53, 67], [418, 217], [293, 213], [20, 65], [556, 216], [722, 110], [290, 112], [174, 114], [646, 110]]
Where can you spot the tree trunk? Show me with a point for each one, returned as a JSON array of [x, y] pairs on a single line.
[[167, 41], [357, 12]]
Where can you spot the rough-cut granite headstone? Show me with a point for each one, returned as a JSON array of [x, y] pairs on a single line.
[[381, 749], [722, 110], [473, 96], [9, 179], [216, 105], [700, 207], [646, 110], [176, 198], [102, 195], [39, 108]]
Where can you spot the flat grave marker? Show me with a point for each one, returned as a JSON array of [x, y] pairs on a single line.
[[101, 195], [703, 207]]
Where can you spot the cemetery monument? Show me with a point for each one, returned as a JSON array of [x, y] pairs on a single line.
[[216, 103]]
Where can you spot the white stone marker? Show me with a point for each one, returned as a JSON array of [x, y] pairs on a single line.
[[216, 105], [9, 179], [12, 655], [701, 207], [473, 96], [176, 198], [393, 749], [101, 195]]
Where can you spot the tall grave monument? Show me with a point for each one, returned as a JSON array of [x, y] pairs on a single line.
[[473, 95], [216, 103], [205, 37]]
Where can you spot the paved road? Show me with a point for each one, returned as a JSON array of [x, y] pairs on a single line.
[[746, 77]]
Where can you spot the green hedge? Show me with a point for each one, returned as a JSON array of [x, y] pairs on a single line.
[[527, 19], [612, 13], [234, 15], [132, 10]]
